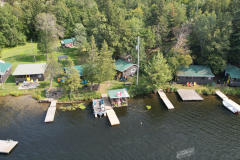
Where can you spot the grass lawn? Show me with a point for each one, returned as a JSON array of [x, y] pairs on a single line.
[[24, 54]]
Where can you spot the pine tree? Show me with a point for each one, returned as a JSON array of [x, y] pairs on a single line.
[[105, 67], [53, 69], [73, 81], [157, 72], [89, 69]]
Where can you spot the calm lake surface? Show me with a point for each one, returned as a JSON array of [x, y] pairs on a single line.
[[206, 126]]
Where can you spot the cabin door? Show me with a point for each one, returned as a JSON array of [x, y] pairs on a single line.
[[28, 78]]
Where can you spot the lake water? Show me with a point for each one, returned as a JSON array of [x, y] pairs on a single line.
[[206, 126]]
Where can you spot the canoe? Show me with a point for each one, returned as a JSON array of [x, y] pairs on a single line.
[[230, 107]]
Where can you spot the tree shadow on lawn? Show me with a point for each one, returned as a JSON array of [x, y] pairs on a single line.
[[10, 79], [26, 58], [73, 53]]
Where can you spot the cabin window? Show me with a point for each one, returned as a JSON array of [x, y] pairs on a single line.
[[133, 70], [209, 78], [189, 77], [197, 78], [238, 79], [202, 78], [193, 77]]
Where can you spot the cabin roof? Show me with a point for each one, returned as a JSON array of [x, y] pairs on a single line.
[[195, 71], [122, 65], [233, 71], [28, 69], [4, 66], [113, 93], [70, 40], [79, 68]]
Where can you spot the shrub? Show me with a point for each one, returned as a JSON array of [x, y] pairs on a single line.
[[208, 92], [213, 91], [198, 91], [148, 107], [204, 91], [63, 99]]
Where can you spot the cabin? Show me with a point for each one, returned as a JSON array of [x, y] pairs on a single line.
[[232, 74], [125, 68], [118, 97], [68, 43], [78, 67], [200, 74], [28, 72], [5, 70]]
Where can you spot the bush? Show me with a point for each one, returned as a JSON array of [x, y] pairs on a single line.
[[208, 92], [198, 91], [204, 91], [2, 94], [213, 91], [64, 99], [148, 107]]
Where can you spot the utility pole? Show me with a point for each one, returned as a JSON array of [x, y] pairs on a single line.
[[33, 51], [138, 61]]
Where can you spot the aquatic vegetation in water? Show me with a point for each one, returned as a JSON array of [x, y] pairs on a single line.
[[148, 107], [74, 106]]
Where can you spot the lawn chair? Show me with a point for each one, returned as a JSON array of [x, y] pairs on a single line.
[[125, 79], [31, 80], [36, 81], [187, 84], [83, 82], [194, 83], [86, 81], [122, 79], [191, 84], [59, 80]]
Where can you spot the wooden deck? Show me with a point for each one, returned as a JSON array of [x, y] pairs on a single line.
[[110, 112], [6, 146], [106, 101], [112, 117], [221, 95], [51, 112], [165, 99], [189, 95]]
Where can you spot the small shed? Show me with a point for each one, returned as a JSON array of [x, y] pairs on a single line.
[[68, 43], [232, 74], [118, 97], [78, 67], [200, 74], [125, 68], [27, 72], [5, 70]]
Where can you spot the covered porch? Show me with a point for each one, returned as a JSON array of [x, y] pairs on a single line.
[[118, 97]]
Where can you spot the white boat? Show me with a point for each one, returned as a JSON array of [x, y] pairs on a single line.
[[230, 107]]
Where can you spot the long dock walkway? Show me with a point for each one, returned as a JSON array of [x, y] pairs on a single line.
[[110, 112], [165, 99], [7, 145], [51, 112], [221, 95]]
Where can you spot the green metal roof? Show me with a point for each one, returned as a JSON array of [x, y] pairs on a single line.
[[69, 40], [195, 71], [3, 67], [29, 69], [122, 65], [113, 93], [233, 71], [79, 67]]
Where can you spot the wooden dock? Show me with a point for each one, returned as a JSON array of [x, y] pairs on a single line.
[[234, 104], [7, 145], [110, 112], [51, 112], [165, 99], [189, 95], [112, 117], [221, 95], [106, 101]]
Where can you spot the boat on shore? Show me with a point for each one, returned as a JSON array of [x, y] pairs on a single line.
[[230, 107]]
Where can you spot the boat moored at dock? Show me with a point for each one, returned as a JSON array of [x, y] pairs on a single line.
[[230, 107], [98, 107]]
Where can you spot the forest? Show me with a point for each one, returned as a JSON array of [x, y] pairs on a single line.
[[204, 32]]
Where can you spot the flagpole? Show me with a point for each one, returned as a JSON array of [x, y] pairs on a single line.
[[138, 62]]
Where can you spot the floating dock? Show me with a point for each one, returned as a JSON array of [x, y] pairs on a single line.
[[165, 99], [51, 112], [221, 95], [189, 95], [110, 112], [7, 145]]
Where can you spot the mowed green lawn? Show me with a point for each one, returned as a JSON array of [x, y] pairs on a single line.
[[24, 54]]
